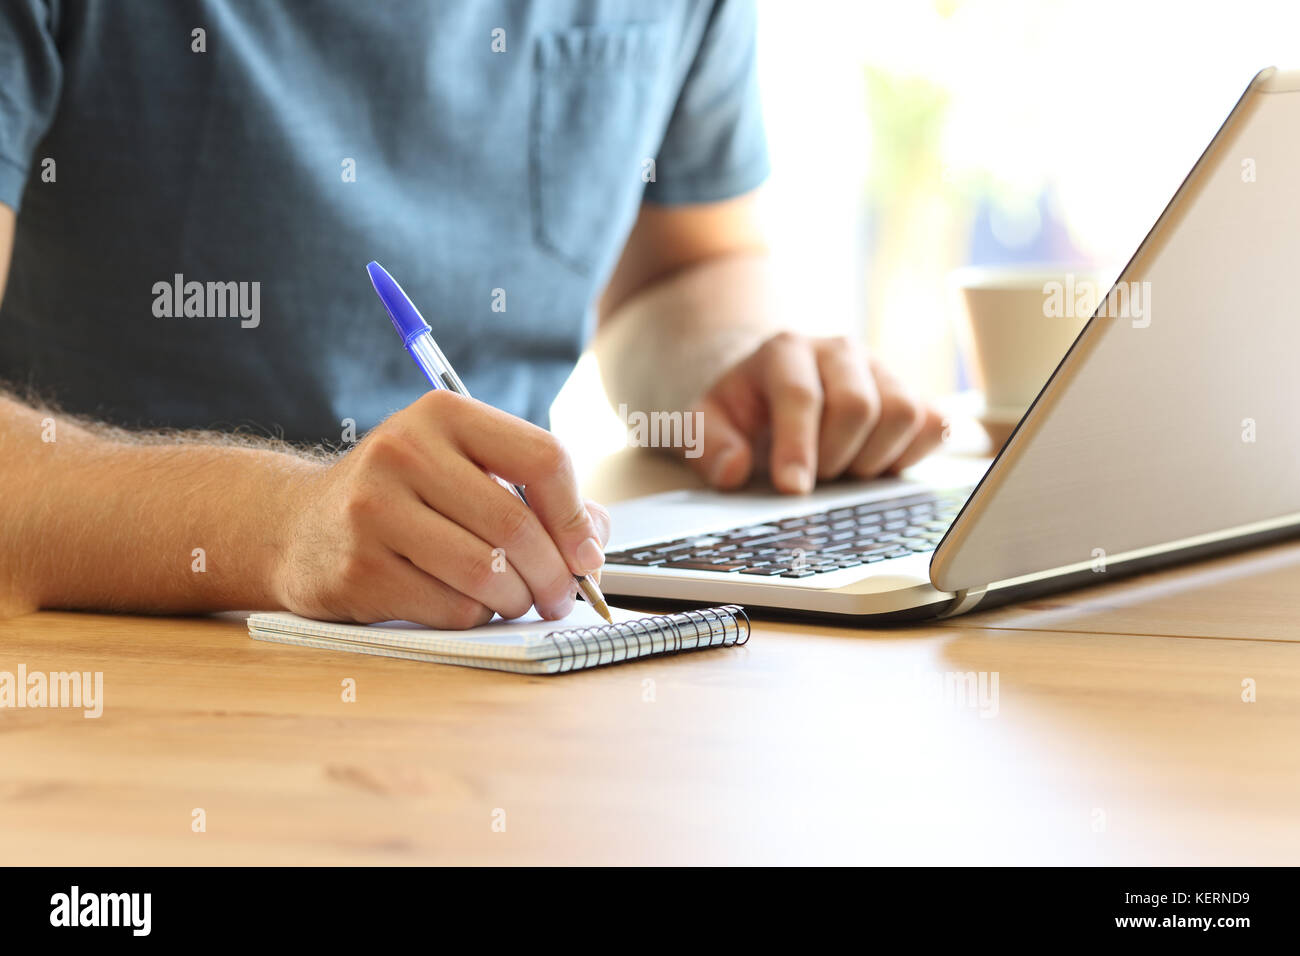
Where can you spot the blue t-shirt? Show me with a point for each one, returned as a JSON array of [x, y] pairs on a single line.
[[200, 184]]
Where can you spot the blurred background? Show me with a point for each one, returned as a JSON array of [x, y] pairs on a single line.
[[913, 137]]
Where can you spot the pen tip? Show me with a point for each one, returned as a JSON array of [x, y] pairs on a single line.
[[597, 600]]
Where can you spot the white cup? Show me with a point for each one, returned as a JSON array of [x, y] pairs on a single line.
[[1020, 322]]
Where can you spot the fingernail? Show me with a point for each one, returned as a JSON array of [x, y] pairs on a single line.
[[796, 477], [590, 555]]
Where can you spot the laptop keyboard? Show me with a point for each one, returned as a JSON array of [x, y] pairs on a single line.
[[807, 545]]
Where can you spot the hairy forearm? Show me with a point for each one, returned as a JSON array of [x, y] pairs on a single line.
[[666, 345], [96, 519]]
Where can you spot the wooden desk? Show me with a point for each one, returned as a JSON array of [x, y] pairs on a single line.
[[1119, 735]]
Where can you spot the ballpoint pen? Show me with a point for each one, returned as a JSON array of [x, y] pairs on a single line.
[[418, 339]]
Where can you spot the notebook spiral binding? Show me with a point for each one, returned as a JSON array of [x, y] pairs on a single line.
[[710, 627]]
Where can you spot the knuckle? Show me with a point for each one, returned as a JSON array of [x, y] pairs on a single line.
[[436, 401], [551, 456], [385, 450], [481, 573], [514, 526], [850, 402], [784, 339], [902, 412], [798, 395], [361, 502], [915, 415]]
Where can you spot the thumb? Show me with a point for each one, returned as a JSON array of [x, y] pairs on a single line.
[[599, 515], [722, 455]]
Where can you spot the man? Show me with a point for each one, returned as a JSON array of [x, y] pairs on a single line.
[[199, 186]]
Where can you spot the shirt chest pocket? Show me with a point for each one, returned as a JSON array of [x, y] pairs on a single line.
[[591, 138]]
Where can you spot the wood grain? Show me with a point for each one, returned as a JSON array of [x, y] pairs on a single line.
[[811, 744]]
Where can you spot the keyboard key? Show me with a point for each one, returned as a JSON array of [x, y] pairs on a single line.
[[767, 539], [882, 551], [845, 536], [674, 546], [705, 566], [798, 574]]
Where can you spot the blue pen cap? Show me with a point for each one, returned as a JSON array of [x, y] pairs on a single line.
[[406, 317]]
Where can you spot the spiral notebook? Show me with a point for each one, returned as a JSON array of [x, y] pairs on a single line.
[[526, 645]]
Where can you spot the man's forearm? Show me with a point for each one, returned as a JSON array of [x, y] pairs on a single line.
[[87, 521], [666, 345]]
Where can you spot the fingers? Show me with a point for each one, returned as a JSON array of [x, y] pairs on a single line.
[[791, 382], [901, 421], [601, 519], [599, 516], [823, 407], [927, 440], [413, 523], [850, 409], [523, 454], [491, 513], [726, 458], [397, 590], [444, 550]]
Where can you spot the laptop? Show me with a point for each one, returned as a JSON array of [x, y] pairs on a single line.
[[1159, 438]]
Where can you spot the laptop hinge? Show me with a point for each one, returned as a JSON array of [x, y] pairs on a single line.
[[964, 601]]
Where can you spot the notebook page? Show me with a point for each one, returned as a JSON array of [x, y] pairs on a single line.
[[522, 638]]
